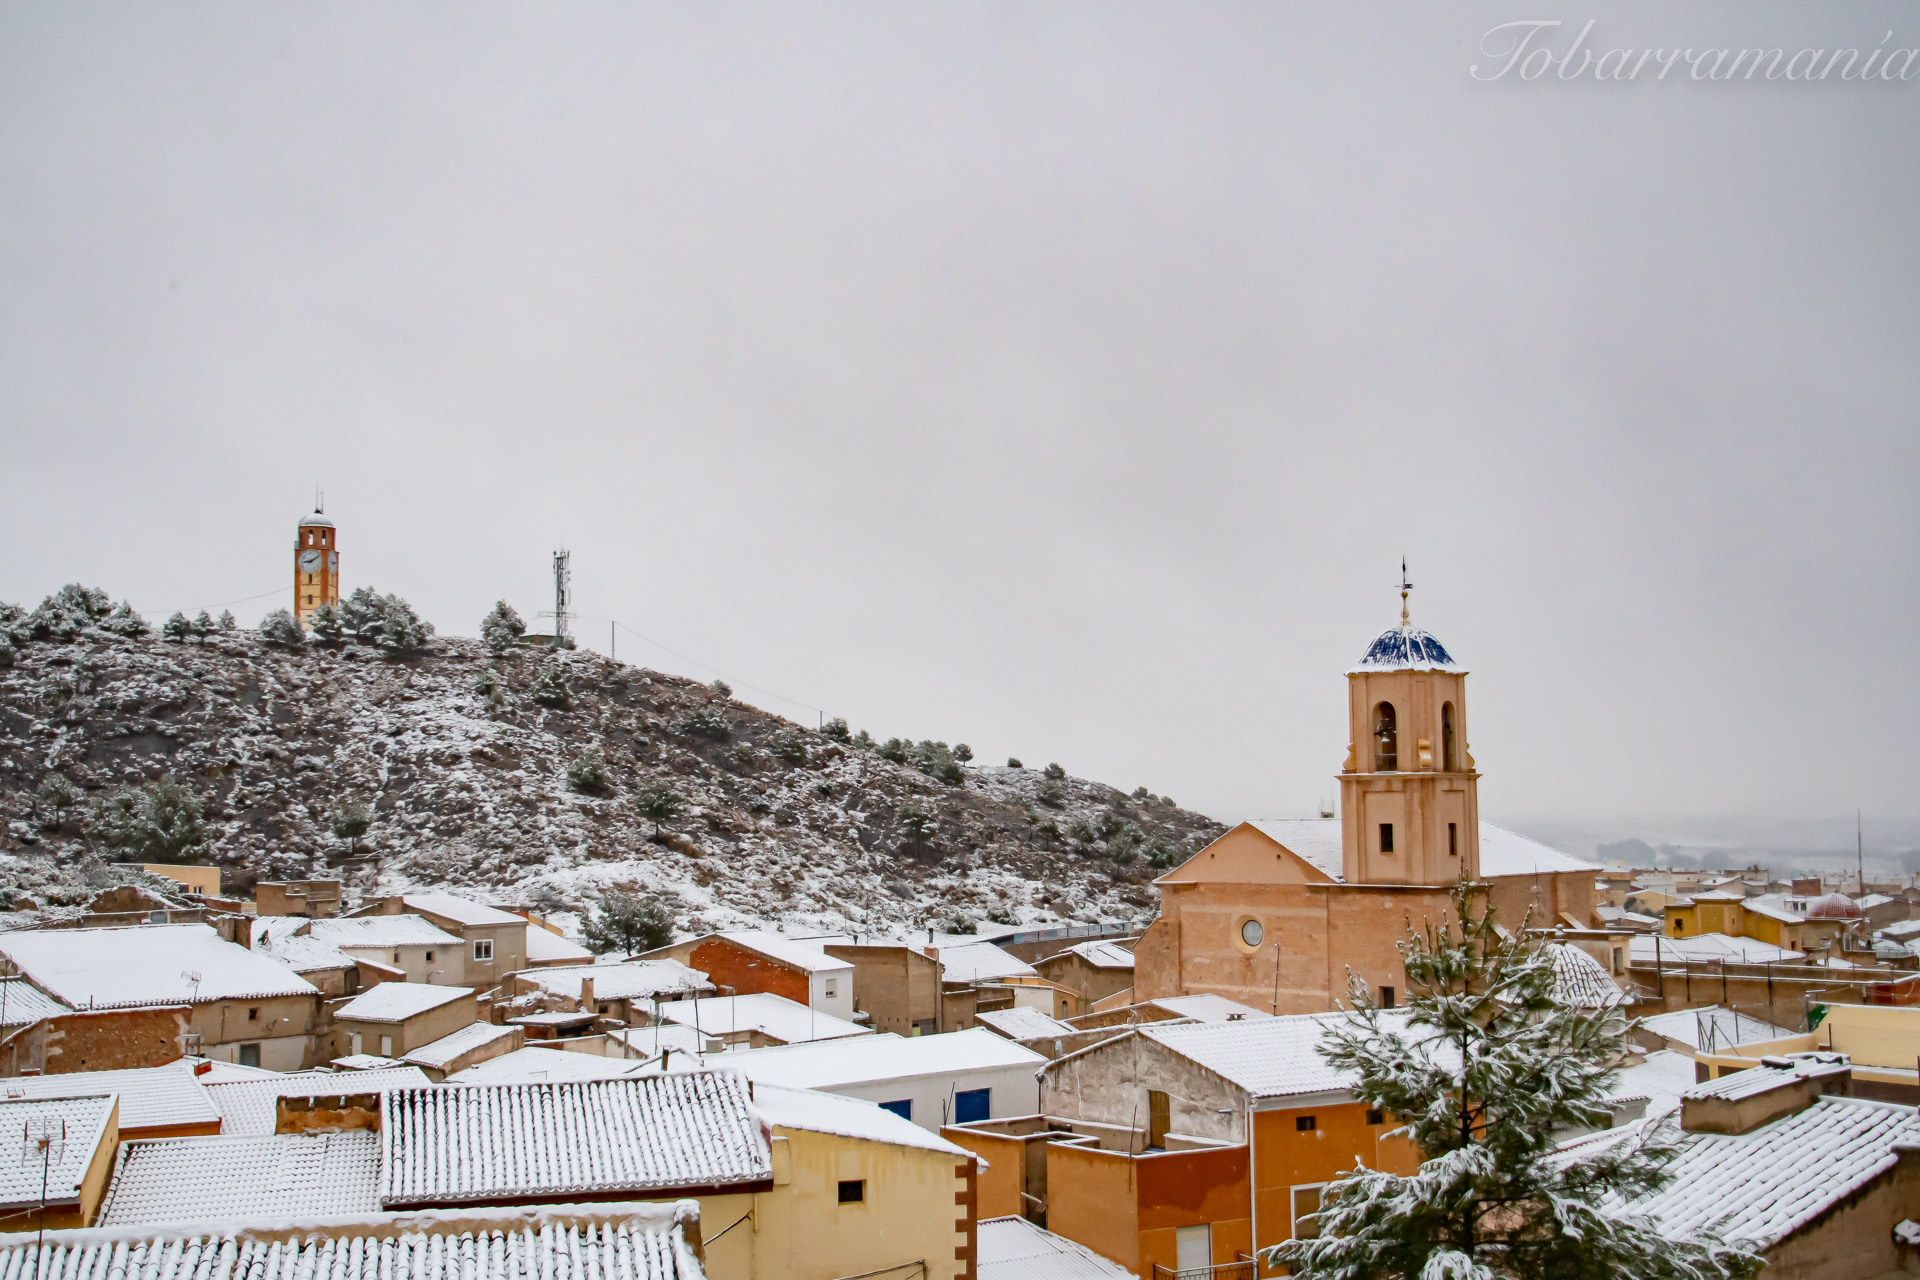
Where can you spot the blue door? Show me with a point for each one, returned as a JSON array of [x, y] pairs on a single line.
[[902, 1108], [972, 1104]]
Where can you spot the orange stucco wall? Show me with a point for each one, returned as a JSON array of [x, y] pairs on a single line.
[[747, 972], [1190, 1189], [1091, 1198], [1285, 1157], [1001, 1182]]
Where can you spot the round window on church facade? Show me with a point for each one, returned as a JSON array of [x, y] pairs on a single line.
[[1251, 933]]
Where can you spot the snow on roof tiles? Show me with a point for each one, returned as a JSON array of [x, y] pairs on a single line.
[[1406, 648], [1580, 981], [1103, 955], [1772, 1073], [828, 1065], [650, 1134], [1711, 1027], [1660, 1079], [1023, 1023], [468, 1038], [817, 1112], [22, 1167], [534, 1065], [398, 1001], [144, 965], [661, 1037], [544, 946], [252, 1106], [787, 951], [1709, 947], [1762, 1185], [981, 962], [628, 980], [1209, 1008], [382, 931], [1317, 841], [460, 910], [23, 1004], [1015, 1249], [268, 1176], [570, 1242], [302, 954], [775, 1017], [150, 1097], [1272, 1057]]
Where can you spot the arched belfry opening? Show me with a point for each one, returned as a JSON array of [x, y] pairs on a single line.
[[1386, 739], [1448, 760]]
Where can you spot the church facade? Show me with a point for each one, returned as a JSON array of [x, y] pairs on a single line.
[[1277, 913]]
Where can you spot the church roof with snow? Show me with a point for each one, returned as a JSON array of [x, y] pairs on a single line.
[[1406, 648], [1317, 841]]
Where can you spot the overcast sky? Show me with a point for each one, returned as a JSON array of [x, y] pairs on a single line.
[[1067, 379]]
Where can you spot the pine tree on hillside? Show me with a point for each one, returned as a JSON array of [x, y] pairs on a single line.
[[361, 612], [177, 628], [328, 628], [502, 628], [123, 621], [399, 630], [153, 822], [203, 625], [226, 622], [626, 923], [1487, 1068], [278, 628]]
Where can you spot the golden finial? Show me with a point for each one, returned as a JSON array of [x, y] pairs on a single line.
[[1405, 587]]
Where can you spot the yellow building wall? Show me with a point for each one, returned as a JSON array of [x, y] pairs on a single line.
[[1873, 1035], [800, 1231]]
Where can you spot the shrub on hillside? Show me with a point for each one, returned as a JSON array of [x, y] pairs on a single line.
[[626, 923], [789, 745], [658, 802], [123, 621], [502, 628], [279, 628], [350, 821], [836, 730], [152, 822], [550, 689], [328, 626], [722, 688], [917, 824], [587, 772], [177, 628], [706, 722]]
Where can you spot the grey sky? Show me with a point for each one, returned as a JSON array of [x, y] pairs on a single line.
[[1063, 378]]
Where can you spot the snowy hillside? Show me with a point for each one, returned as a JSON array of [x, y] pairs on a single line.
[[464, 760]]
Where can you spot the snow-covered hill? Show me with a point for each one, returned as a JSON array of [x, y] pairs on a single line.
[[467, 775]]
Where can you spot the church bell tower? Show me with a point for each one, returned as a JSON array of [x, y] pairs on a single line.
[[316, 565], [1409, 794]]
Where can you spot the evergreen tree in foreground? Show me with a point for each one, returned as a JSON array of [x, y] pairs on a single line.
[[1486, 1071], [626, 923], [502, 628]]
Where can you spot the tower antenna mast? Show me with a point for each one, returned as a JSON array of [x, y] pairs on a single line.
[[562, 595], [1405, 587]]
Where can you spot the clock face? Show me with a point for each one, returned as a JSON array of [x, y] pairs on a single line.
[[333, 563], [310, 561]]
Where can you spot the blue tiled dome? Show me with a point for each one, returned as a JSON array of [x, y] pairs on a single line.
[[1407, 649]]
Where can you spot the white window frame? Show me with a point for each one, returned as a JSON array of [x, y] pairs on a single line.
[[1293, 1210], [483, 950]]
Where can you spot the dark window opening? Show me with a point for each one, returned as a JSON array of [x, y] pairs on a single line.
[[1304, 1124], [429, 957], [249, 1055], [1386, 739], [1386, 837], [853, 1191], [1386, 997], [1453, 839], [253, 1015], [1376, 1116], [1446, 738], [902, 1107], [970, 1105]]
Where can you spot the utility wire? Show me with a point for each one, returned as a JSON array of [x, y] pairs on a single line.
[[219, 604], [705, 666]]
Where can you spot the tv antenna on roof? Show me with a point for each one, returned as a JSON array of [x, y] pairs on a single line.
[[1405, 587], [319, 500]]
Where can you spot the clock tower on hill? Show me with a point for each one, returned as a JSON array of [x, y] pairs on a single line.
[[316, 566]]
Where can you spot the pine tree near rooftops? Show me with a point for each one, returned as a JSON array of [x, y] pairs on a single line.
[[1487, 1071]]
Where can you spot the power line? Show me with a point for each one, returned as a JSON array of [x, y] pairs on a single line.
[[219, 604], [707, 666]]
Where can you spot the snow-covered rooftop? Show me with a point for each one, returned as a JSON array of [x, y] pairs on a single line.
[[817, 1112], [252, 1106], [362, 1062], [398, 1001], [1661, 1079], [1103, 955], [1711, 1027], [1023, 1023], [1269, 1058], [1502, 852], [1209, 1008], [144, 965], [1405, 648], [1772, 1073], [881, 1057], [382, 931], [628, 980], [775, 1017], [559, 1242], [534, 1065], [660, 1038], [1015, 1249], [300, 953], [1761, 1185], [22, 1167], [971, 962], [547, 947], [649, 1135], [1708, 947], [23, 1004], [474, 1035], [1580, 981], [460, 910], [261, 1177], [150, 1097], [787, 951]]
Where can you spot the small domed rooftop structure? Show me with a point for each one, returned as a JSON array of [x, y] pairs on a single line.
[[1407, 648], [1580, 981], [315, 521], [1833, 906]]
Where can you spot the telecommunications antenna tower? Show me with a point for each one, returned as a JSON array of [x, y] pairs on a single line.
[[562, 595]]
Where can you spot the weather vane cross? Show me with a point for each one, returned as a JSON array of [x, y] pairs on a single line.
[[1405, 587]]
